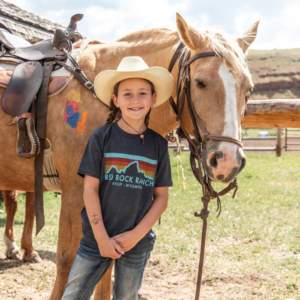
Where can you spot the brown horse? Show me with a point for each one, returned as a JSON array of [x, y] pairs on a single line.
[[12, 251], [219, 86]]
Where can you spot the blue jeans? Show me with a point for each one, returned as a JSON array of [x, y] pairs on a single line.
[[89, 267]]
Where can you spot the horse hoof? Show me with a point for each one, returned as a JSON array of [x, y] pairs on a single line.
[[36, 260], [15, 255], [33, 257]]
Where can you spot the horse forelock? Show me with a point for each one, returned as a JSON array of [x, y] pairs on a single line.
[[226, 48]]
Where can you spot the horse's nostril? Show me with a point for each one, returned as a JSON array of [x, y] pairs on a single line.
[[213, 162], [214, 159]]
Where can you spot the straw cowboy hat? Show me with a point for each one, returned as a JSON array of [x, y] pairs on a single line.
[[134, 67]]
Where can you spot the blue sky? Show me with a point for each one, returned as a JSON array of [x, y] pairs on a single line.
[[108, 20]]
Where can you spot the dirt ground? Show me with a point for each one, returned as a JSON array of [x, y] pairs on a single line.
[[23, 281], [162, 281], [26, 281]]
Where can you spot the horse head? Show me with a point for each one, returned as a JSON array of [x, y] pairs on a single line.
[[219, 88]]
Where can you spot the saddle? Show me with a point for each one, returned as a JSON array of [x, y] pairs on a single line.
[[24, 82], [25, 71]]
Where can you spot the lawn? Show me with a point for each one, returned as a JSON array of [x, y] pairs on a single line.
[[253, 248]]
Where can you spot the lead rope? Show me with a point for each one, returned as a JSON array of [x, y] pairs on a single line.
[[195, 145]]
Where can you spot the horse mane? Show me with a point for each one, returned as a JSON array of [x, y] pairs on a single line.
[[226, 48], [96, 42], [150, 35]]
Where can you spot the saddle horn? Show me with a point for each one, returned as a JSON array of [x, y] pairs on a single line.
[[74, 35], [63, 38], [73, 23]]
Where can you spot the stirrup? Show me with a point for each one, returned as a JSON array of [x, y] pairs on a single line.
[[34, 140]]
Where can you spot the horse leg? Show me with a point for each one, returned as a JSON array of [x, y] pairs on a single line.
[[103, 288], [26, 242], [69, 237], [11, 204]]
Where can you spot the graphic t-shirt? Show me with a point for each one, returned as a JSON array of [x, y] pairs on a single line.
[[128, 171]]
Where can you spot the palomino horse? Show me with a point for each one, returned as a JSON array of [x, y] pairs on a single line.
[[219, 86], [11, 249]]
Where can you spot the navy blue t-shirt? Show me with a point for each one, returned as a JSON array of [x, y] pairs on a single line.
[[128, 171]]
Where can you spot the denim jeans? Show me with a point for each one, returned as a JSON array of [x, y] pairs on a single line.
[[89, 267]]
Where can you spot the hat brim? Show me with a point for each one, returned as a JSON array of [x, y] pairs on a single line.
[[161, 78]]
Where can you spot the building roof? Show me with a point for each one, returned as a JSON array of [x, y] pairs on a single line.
[[25, 24]]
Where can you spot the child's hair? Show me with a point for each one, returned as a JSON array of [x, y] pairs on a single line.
[[115, 112]]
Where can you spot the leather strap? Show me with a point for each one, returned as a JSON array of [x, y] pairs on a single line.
[[79, 74], [199, 55], [41, 122], [195, 145], [175, 56], [15, 120]]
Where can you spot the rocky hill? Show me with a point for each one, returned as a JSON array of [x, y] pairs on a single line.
[[276, 73]]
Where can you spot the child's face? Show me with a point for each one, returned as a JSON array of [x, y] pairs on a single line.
[[134, 98]]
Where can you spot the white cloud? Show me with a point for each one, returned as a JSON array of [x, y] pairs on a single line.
[[111, 19], [279, 31], [108, 24]]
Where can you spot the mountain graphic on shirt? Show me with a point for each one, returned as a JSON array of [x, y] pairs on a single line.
[[122, 164]]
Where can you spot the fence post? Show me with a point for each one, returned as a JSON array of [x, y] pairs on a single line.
[[278, 142]]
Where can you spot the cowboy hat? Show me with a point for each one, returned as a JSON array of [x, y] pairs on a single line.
[[134, 67]]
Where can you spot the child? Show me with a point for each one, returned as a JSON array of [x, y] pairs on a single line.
[[126, 172]]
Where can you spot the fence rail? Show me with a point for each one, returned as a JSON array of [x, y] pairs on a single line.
[[288, 145]]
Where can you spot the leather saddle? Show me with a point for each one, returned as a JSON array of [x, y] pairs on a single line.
[[27, 77], [24, 82]]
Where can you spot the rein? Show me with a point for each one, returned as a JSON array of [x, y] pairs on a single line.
[[196, 144]]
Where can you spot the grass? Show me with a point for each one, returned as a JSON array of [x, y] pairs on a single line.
[[253, 247], [257, 233]]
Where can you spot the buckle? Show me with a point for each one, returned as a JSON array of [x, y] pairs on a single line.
[[15, 120], [88, 85]]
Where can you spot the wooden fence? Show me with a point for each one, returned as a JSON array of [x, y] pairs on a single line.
[[277, 113]]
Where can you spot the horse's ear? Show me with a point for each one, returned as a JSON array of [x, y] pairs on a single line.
[[248, 37], [190, 36]]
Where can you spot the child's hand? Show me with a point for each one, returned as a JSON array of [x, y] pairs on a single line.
[[111, 249], [126, 240]]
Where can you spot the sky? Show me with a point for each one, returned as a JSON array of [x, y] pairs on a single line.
[[108, 20]]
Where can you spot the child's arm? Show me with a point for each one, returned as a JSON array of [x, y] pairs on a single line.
[[129, 239], [108, 247]]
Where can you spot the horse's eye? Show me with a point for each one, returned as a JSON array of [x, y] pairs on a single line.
[[200, 84]]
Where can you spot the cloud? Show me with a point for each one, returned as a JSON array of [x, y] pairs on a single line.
[[110, 24], [277, 31], [111, 19]]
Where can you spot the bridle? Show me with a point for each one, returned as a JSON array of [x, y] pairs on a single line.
[[196, 144]]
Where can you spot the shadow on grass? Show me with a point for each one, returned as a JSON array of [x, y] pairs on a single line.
[[49, 255], [10, 264], [6, 264]]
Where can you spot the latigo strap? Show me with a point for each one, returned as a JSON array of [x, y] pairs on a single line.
[[41, 122]]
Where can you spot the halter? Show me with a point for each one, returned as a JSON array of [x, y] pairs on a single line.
[[196, 144]]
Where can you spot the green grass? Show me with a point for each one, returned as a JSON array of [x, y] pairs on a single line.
[[253, 245], [258, 232]]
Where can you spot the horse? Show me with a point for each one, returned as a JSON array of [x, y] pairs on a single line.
[[219, 86], [12, 251]]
